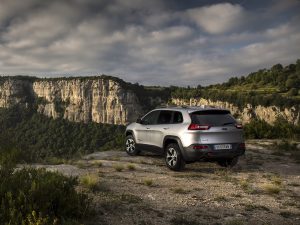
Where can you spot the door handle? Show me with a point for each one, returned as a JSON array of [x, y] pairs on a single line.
[[166, 128], [148, 128]]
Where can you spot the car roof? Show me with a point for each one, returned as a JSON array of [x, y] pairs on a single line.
[[191, 109]]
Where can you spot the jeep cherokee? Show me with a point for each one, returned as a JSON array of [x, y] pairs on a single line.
[[188, 134]]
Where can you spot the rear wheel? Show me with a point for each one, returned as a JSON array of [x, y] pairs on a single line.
[[228, 162], [173, 157], [130, 146]]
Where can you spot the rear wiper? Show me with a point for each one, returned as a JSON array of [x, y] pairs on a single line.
[[229, 123]]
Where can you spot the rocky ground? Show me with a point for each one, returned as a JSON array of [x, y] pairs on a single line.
[[264, 188]]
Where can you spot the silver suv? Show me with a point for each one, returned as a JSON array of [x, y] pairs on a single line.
[[188, 134]]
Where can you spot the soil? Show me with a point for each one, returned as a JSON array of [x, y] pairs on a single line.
[[263, 188]]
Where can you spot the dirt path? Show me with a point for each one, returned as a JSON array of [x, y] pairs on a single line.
[[262, 189]]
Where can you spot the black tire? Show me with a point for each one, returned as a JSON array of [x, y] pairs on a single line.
[[173, 157], [130, 146], [228, 162]]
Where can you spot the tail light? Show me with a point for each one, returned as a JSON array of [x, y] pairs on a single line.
[[200, 147], [239, 126], [194, 126], [242, 146]]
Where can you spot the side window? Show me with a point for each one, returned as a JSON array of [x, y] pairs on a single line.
[[164, 117], [178, 118], [151, 118]]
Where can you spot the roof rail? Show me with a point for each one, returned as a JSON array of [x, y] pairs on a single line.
[[166, 106]]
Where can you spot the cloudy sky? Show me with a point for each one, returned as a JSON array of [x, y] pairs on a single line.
[[153, 42]]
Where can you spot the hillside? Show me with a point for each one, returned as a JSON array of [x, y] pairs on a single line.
[[278, 86]]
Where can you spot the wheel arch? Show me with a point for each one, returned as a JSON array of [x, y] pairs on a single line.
[[129, 132], [173, 139]]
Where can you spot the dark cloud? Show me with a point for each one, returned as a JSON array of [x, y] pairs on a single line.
[[151, 42]]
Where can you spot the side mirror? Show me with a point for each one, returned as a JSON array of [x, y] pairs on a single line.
[[139, 120]]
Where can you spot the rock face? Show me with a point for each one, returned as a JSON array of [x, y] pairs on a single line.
[[104, 100], [97, 100], [13, 92], [269, 114]]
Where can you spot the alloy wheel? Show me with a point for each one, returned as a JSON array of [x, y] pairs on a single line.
[[171, 157], [130, 145]]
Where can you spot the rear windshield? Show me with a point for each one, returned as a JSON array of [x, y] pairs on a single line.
[[213, 118]]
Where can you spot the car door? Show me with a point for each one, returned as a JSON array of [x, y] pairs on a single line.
[[157, 131], [143, 129]]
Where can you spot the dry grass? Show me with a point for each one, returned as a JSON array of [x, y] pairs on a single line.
[[119, 167], [179, 191], [131, 167], [276, 179], [271, 188], [90, 181], [234, 222], [148, 182], [247, 187], [220, 198]]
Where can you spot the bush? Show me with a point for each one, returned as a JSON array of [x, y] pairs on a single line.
[[35, 196], [259, 129]]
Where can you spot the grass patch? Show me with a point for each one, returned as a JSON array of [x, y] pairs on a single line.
[[83, 165], [294, 184], [148, 182], [90, 181], [225, 174], [276, 179], [252, 207], [234, 222], [112, 201], [118, 167], [179, 191], [55, 161], [131, 167], [271, 188], [180, 220], [247, 187], [220, 198]]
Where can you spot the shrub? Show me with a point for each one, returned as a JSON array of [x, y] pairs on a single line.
[[35, 196]]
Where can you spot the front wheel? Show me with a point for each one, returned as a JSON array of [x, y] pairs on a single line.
[[173, 157], [130, 146], [228, 162]]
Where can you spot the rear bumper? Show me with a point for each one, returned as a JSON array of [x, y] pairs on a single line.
[[210, 154]]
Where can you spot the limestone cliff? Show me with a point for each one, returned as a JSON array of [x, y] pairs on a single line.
[[98, 100], [109, 100], [269, 114]]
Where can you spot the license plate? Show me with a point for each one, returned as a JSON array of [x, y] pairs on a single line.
[[224, 146]]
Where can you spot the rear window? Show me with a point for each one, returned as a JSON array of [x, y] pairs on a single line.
[[213, 118]]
